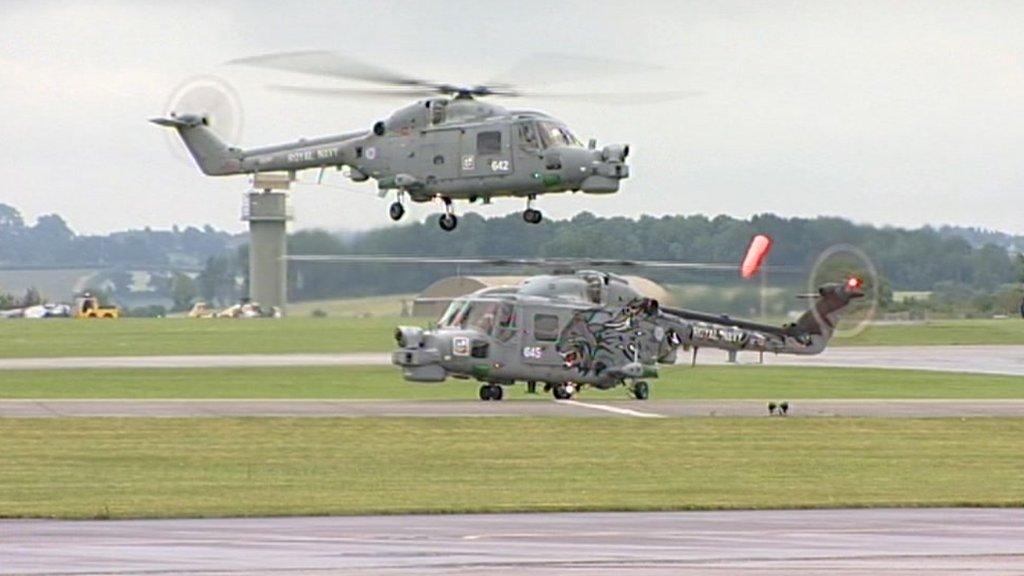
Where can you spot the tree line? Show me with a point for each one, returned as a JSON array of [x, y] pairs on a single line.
[[205, 263], [908, 260]]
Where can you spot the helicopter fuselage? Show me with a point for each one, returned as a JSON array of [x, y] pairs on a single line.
[[589, 329], [457, 148]]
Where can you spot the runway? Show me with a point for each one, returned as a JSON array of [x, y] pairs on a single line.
[[541, 407], [980, 359], [834, 542]]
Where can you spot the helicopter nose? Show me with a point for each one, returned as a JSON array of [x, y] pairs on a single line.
[[419, 355]]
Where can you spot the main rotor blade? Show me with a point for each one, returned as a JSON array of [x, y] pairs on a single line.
[[618, 98], [574, 263], [331, 64], [352, 92]]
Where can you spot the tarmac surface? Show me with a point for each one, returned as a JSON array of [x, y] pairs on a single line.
[[507, 408], [833, 542], [980, 359]]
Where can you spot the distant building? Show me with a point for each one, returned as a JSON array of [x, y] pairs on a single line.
[[436, 297]]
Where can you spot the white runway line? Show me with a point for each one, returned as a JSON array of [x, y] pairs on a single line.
[[612, 409]]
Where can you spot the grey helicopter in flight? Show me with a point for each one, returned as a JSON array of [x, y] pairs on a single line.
[[577, 328], [449, 145]]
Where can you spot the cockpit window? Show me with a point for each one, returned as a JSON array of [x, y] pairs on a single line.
[[482, 315], [437, 111], [556, 136], [528, 136], [506, 322], [450, 313]]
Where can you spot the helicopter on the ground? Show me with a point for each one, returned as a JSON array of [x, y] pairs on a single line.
[[449, 145], [590, 328]]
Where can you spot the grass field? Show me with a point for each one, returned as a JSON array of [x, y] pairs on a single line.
[[89, 468], [703, 382], [168, 336], [163, 336], [940, 332]]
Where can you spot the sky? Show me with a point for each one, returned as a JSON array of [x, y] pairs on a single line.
[[893, 113]]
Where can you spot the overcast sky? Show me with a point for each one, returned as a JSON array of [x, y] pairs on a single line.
[[887, 112]]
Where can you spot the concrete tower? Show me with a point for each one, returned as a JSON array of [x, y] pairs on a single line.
[[267, 213]]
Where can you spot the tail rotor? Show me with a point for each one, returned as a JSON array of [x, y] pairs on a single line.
[[214, 102], [847, 265]]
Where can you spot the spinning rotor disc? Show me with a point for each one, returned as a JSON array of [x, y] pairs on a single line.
[[846, 264], [211, 98]]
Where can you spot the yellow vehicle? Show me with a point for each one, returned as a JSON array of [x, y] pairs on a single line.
[[88, 306]]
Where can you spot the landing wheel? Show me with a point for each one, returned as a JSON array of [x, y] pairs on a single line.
[[532, 216], [531, 387], [448, 222], [396, 211], [491, 392], [641, 391], [561, 392]]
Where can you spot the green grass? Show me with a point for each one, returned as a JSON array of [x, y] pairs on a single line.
[[940, 332], [163, 336], [169, 336], [113, 468], [703, 382]]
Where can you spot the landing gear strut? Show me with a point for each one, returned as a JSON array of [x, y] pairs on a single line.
[[530, 215], [448, 221], [491, 392]]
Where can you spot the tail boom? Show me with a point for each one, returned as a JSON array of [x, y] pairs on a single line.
[[216, 158], [810, 334]]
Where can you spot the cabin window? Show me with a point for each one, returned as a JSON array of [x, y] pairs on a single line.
[[545, 327], [488, 143]]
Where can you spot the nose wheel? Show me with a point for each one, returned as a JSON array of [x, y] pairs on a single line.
[[396, 211], [641, 391], [448, 221]]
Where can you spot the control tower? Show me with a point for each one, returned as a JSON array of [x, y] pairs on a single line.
[[267, 210]]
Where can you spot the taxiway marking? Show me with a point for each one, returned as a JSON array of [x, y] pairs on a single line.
[[612, 409]]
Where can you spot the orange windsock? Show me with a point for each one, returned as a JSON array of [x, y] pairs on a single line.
[[757, 251]]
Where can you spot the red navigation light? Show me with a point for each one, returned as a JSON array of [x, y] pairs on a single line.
[[854, 282], [756, 253]]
